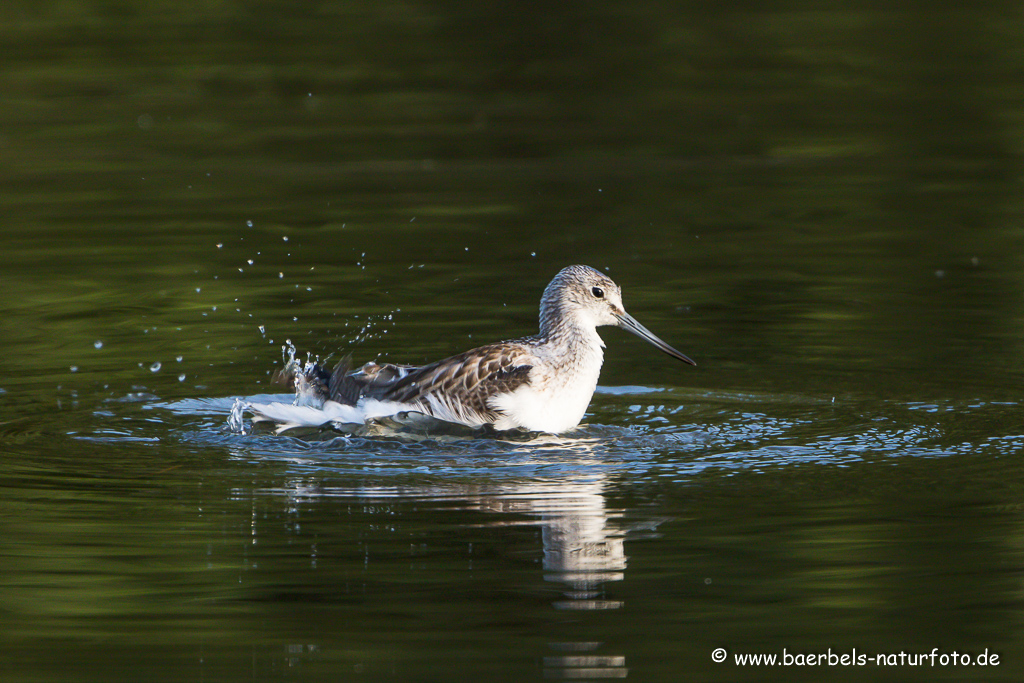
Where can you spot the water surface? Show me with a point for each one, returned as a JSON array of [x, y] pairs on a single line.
[[821, 206]]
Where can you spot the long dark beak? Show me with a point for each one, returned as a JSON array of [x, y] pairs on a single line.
[[628, 322]]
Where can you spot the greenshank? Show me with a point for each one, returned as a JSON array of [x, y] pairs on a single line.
[[542, 383]]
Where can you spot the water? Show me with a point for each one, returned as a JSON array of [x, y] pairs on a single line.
[[821, 206]]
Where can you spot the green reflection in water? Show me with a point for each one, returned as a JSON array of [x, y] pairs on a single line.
[[821, 205]]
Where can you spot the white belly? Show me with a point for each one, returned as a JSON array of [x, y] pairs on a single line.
[[549, 403]]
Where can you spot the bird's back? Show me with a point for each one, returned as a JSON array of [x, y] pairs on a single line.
[[458, 389]]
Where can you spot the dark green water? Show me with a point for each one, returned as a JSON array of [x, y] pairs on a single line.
[[822, 205]]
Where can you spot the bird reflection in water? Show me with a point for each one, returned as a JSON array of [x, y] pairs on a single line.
[[583, 546]]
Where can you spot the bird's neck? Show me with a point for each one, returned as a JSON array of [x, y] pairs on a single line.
[[569, 336]]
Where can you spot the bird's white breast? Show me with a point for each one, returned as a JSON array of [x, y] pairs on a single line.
[[557, 395]]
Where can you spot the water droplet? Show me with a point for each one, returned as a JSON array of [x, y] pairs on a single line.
[[280, 276], [250, 262], [220, 245], [181, 377], [155, 367], [285, 238], [178, 358], [262, 330], [98, 344], [249, 223], [73, 368]]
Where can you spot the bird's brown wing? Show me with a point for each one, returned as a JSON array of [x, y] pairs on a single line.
[[456, 389], [463, 384]]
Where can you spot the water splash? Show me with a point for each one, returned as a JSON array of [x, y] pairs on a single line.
[[236, 418], [288, 355]]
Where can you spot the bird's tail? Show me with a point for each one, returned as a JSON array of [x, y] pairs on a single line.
[[314, 384]]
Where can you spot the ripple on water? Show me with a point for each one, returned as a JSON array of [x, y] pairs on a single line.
[[639, 431]]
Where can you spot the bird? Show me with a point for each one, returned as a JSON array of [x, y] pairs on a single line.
[[541, 383]]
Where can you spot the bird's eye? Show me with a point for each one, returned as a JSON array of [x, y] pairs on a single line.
[[598, 292]]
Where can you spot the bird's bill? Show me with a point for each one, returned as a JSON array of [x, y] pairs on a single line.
[[628, 322]]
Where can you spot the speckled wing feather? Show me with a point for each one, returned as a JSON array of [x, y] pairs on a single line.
[[347, 387], [455, 389]]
